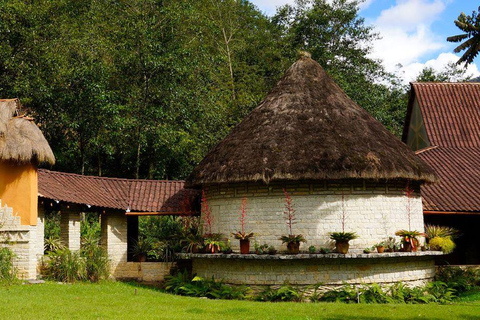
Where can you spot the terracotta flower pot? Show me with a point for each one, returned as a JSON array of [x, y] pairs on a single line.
[[142, 257], [342, 247], [293, 247], [380, 249], [245, 246]]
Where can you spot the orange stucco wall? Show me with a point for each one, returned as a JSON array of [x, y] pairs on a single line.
[[19, 190]]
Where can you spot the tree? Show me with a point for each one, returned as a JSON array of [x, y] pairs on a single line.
[[341, 42], [471, 26], [450, 73]]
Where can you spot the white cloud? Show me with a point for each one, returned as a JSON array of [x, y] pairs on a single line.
[[405, 31], [270, 6], [410, 72]]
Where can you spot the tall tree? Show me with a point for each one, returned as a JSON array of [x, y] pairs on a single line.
[[470, 25]]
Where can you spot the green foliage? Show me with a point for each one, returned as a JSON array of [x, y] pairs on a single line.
[[97, 264], [444, 244], [7, 270], [432, 231], [292, 238], [470, 25], [52, 225], [451, 73], [169, 235], [346, 294], [343, 236], [53, 244], [64, 265], [459, 279], [286, 292], [186, 285], [312, 249]]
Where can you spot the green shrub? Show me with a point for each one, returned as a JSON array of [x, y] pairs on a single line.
[[444, 244], [184, 284], [460, 279], [52, 244], [285, 293], [97, 265], [64, 265], [346, 294], [373, 294], [52, 225], [7, 270]]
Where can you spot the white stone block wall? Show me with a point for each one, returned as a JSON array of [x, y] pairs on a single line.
[[114, 237], [415, 270], [22, 240], [40, 241], [374, 210], [143, 271], [70, 229]]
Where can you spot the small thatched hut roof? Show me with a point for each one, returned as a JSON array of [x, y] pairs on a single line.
[[307, 128], [21, 140]]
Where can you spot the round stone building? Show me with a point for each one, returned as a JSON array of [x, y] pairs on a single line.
[[341, 167]]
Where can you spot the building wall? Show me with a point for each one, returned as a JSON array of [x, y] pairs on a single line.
[[22, 240], [19, 190], [143, 271], [374, 210], [415, 270]]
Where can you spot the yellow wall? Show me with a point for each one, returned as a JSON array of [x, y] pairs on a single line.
[[19, 190]]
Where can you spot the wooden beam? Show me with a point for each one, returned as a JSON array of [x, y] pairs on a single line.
[[452, 212], [161, 213]]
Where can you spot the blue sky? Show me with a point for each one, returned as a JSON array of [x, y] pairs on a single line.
[[413, 32]]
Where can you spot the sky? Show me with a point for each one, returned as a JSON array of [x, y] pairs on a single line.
[[413, 32]]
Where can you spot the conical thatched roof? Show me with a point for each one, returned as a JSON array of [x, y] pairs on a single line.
[[20, 139], [307, 128]]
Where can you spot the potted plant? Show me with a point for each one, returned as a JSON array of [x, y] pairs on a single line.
[[272, 250], [312, 249], [226, 247], [260, 249], [213, 242], [195, 243], [409, 239], [241, 235], [324, 250], [140, 249], [380, 247], [342, 240], [391, 245], [293, 241]]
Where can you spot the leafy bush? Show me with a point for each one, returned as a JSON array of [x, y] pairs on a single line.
[[183, 284], [97, 264], [7, 270], [64, 265], [433, 231], [52, 225], [53, 244], [346, 294], [459, 279], [285, 293], [444, 244]]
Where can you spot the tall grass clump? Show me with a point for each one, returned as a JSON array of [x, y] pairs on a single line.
[[7, 270], [64, 265]]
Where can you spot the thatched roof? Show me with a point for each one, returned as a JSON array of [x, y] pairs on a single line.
[[307, 128], [21, 140]]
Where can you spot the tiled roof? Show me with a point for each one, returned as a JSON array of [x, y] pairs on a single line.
[[451, 112], [459, 187], [162, 196]]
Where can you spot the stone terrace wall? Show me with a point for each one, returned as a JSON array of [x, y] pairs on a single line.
[[22, 240], [143, 271], [374, 209], [413, 270]]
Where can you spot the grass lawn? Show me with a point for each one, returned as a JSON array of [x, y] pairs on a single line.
[[116, 300]]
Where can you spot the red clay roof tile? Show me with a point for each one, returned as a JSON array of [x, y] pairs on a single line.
[[161, 196]]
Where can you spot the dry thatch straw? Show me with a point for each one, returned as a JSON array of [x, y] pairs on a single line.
[[21, 141], [307, 128]]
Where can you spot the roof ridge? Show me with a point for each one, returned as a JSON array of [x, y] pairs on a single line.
[[108, 178]]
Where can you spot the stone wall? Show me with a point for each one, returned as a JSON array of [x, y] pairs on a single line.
[[22, 240], [304, 270], [114, 237], [373, 209], [142, 271]]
